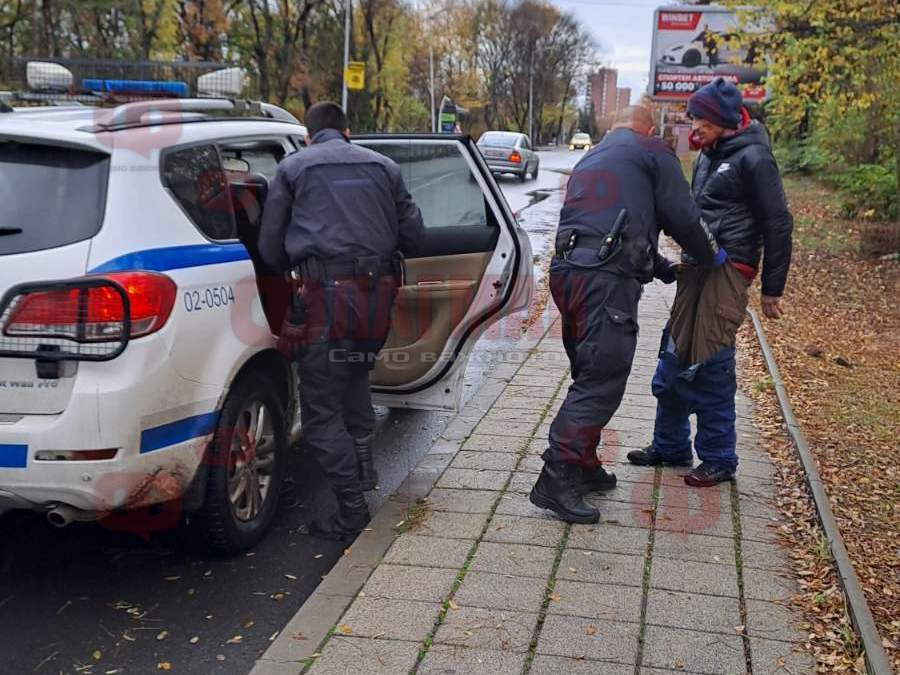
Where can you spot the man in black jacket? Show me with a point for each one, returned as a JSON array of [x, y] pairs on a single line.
[[618, 198], [737, 186]]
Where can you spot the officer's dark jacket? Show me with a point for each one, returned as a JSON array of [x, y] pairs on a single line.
[[738, 188], [642, 175], [337, 201]]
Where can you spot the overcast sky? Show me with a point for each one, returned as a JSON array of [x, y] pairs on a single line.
[[622, 31]]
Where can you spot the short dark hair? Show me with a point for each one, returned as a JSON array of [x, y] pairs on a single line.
[[325, 115]]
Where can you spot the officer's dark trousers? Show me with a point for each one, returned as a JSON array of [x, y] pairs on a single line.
[[599, 326], [346, 327]]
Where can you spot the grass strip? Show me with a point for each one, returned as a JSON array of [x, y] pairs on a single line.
[[648, 568], [739, 567]]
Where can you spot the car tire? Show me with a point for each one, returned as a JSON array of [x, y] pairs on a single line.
[[534, 174], [524, 175], [691, 58], [232, 524]]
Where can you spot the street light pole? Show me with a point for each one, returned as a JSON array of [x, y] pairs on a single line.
[[431, 85], [531, 99], [347, 15]]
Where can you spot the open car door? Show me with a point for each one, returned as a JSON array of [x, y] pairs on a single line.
[[475, 268]]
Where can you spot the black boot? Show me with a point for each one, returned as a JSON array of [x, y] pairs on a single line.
[[351, 518], [559, 489], [368, 477], [597, 480]]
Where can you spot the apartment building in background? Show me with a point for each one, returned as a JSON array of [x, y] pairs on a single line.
[[606, 96]]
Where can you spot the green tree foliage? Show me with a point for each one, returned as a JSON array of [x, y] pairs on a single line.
[[834, 76], [485, 52]]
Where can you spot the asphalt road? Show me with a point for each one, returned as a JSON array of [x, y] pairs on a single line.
[[90, 599]]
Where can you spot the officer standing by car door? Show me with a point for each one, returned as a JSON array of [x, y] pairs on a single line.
[[618, 197], [340, 218]]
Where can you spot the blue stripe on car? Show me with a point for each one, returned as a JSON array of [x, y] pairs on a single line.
[[178, 431], [175, 258], [13, 456]]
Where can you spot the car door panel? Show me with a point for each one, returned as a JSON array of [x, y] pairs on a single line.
[[477, 269]]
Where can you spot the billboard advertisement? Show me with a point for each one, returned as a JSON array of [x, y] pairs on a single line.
[[693, 45]]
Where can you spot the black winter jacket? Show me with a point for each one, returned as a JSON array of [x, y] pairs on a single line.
[[643, 176], [738, 188]]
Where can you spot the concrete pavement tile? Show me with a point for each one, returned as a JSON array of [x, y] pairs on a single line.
[[694, 577], [491, 443], [481, 628], [449, 525], [536, 446], [759, 507], [643, 399], [695, 547], [522, 429], [522, 482], [270, 667], [426, 584], [500, 414], [531, 464], [455, 660], [392, 619], [630, 423], [345, 654], [626, 505], [756, 488], [461, 501], [639, 412], [534, 380], [610, 602], [688, 521], [518, 504], [472, 479], [599, 567], [577, 637], [756, 469], [499, 591], [761, 584], [692, 651], [609, 538], [514, 559], [515, 530], [632, 473], [673, 492], [491, 461], [543, 431], [774, 621], [759, 529], [556, 665], [764, 555], [698, 612], [412, 549], [530, 392], [771, 657]]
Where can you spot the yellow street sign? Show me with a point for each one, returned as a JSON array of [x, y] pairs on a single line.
[[355, 75]]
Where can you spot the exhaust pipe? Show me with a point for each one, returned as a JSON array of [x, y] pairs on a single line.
[[63, 515]]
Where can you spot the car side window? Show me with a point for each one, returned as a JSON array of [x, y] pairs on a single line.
[[440, 181], [253, 156], [526, 143], [197, 181]]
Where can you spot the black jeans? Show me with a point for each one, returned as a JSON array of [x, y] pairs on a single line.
[[599, 326]]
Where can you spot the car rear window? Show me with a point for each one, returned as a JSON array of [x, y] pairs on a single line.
[[505, 140], [49, 196]]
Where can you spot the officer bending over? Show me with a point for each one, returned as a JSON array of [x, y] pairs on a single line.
[[618, 197], [340, 218]]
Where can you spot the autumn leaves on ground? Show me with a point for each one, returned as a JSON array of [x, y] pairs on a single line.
[[838, 350]]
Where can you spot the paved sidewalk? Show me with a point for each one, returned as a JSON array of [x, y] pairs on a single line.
[[673, 579]]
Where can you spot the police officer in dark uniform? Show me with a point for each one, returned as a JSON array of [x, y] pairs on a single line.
[[340, 218], [618, 197]]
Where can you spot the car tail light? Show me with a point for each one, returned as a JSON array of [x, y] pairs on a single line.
[[515, 157], [95, 313]]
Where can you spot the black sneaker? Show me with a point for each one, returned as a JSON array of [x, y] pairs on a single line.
[[650, 456], [597, 480], [708, 475]]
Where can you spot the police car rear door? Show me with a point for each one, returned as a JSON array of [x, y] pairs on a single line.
[[474, 270]]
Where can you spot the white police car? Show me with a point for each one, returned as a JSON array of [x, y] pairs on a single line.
[[138, 361]]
